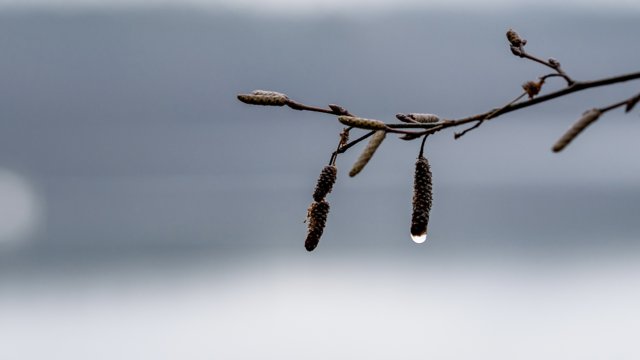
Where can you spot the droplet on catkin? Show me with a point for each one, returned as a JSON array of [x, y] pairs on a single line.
[[422, 199], [419, 239], [368, 152], [362, 123], [325, 182], [263, 97]]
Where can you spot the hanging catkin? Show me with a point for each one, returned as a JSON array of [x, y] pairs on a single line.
[[422, 197], [325, 182], [368, 152], [316, 220], [587, 119]]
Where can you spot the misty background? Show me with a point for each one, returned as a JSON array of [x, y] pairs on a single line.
[[148, 213]]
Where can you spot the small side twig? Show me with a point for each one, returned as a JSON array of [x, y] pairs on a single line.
[[488, 117], [517, 48]]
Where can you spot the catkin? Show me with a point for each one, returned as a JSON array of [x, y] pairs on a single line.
[[368, 152], [587, 118], [422, 197], [362, 123], [316, 220], [424, 118], [266, 98], [325, 182]]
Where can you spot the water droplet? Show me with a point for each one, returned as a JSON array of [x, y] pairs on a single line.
[[419, 239]]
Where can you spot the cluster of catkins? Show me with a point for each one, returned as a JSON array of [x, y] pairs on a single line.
[[422, 199], [319, 208]]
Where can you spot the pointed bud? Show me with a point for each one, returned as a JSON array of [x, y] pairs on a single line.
[[515, 39], [338, 109], [368, 152], [422, 198], [266, 98], [532, 88], [587, 119], [362, 123], [325, 182], [632, 103], [316, 220]]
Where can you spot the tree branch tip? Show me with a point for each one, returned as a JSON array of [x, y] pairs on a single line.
[[515, 40], [632, 103], [339, 110]]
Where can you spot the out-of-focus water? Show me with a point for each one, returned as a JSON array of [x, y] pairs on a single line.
[[296, 305]]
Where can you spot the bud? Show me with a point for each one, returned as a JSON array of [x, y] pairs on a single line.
[[587, 118], [514, 38], [325, 182], [532, 88], [418, 118], [368, 152], [422, 198], [362, 123], [316, 220], [338, 109], [262, 97]]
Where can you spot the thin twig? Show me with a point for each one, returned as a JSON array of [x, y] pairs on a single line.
[[477, 125], [354, 142]]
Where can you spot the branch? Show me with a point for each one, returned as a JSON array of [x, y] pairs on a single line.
[[421, 125]]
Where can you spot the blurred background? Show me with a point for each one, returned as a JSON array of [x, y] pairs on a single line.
[[146, 213]]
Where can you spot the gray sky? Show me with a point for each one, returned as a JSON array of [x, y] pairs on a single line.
[[330, 5]]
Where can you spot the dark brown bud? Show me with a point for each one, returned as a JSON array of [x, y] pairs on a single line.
[[632, 103], [532, 88], [316, 220], [515, 39], [422, 198], [325, 182], [266, 98], [587, 119], [338, 109]]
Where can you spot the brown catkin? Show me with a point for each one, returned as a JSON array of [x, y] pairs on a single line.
[[587, 119], [316, 220], [266, 98], [422, 197], [368, 152], [325, 182], [362, 123]]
